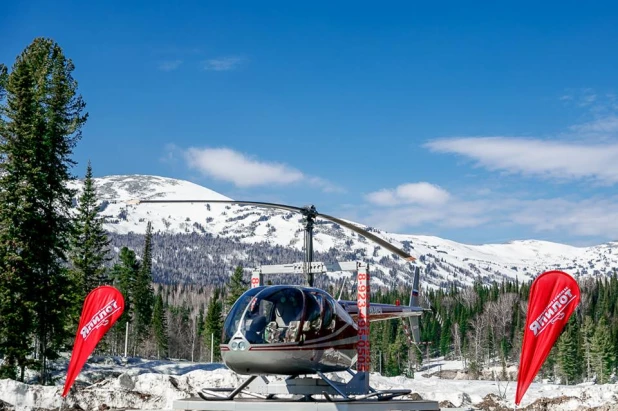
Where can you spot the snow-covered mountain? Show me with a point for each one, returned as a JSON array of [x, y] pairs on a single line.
[[442, 261]]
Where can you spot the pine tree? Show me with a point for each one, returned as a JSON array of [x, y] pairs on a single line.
[[41, 123], [236, 287], [4, 76], [549, 366], [199, 329], [445, 338], [123, 277], [16, 304], [569, 355], [214, 324], [89, 242], [587, 332], [392, 346], [159, 326], [602, 352], [142, 293], [201, 322], [375, 331], [400, 350]]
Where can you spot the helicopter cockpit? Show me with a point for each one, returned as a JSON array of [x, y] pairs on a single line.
[[280, 314]]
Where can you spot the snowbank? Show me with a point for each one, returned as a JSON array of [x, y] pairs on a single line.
[[142, 384]]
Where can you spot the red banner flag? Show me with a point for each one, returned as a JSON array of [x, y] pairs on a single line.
[[102, 307], [554, 295]]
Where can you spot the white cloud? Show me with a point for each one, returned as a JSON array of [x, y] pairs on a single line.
[[400, 219], [239, 169], [169, 65], [605, 125], [171, 154], [454, 213], [410, 193], [325, 185], [245, 171], [592, 217], [553, 159], [589, 217], [588, 99], [223, 63], [582, 97]]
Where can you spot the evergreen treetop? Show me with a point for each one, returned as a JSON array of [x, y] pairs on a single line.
[[159, 325], [236, 287], [90, 245], [213, 326], [142, 292]]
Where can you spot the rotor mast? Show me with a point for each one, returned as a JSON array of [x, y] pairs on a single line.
[[309, 213]]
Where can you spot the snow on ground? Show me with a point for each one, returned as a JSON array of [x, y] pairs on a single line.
[[154, 384]]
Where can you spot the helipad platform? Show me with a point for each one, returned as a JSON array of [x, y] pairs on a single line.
[[283, 405]]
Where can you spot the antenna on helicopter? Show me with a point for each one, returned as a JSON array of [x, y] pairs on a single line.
[[309, 213]]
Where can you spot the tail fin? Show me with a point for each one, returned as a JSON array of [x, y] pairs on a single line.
[[414, 302]]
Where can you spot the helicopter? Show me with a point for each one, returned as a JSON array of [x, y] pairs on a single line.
[[295, 330]]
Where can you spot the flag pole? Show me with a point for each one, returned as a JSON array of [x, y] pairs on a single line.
[[126, 340]]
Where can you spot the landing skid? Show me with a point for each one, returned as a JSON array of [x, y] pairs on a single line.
[[382, 395], [304, 389], [215, 394]]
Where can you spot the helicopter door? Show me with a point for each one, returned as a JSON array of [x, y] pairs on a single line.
[[328, 315], [319, 318], [313, 318]]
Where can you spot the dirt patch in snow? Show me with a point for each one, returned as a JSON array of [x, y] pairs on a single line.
[[4, 406], [491, 402], [543, 404]]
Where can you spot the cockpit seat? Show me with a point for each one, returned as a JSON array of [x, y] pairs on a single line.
[[272, 333], [255, 333], [292, 331], [285, 313]]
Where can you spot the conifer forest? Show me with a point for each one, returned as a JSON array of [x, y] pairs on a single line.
[[54, 250]]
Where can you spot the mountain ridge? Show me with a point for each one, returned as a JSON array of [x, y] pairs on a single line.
[[443, 261]]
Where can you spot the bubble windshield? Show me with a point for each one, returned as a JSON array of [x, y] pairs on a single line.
[[232, 321], [279, 314]]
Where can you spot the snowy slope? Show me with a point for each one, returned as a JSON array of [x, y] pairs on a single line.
[[443, 261], [107, 383]]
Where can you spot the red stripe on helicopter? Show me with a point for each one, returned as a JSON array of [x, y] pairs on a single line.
[[303, 348]]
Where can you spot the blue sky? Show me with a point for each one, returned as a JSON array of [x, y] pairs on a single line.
[[478, 123]]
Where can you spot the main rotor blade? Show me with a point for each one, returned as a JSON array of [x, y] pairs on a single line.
[[251, 203], [350, 226], [370, 236]]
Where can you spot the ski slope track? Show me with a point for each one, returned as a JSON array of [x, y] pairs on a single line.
[[442, 262]]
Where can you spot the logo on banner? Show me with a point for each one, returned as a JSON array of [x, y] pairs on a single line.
[[101, 318], [553, 312]]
